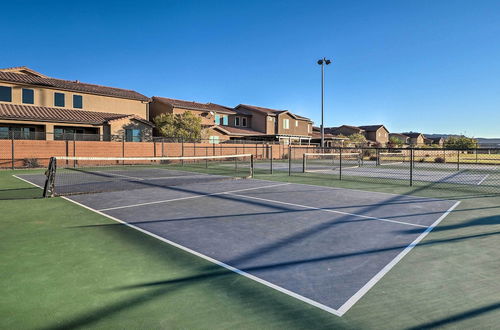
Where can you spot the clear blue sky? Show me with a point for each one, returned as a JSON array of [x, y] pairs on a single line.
[[430, 66]]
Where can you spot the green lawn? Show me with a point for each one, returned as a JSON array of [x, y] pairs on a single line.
[[66, 267]]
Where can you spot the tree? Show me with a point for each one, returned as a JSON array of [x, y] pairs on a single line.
[[460, 142], [186, 125], [357, 139], [394, 141]]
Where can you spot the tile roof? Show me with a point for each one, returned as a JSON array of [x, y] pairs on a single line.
[[371, 128], [69, 85], [247, 109], [260, 109], [61, 115], [194, 105], [238, 131]]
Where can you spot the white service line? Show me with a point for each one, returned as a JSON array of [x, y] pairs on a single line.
[[328, 210], [482, 180], [190, 197], [361, 292]]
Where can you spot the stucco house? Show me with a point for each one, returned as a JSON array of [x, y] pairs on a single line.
[[35, 106]]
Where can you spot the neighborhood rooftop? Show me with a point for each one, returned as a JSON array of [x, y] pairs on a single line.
[[32, 77]]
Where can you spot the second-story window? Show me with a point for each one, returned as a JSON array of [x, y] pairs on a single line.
[[243, 122], [217, 119], [28, 96], [296, 123], [286, 123], [59, 99], [78, 101], [5, 94], [224, 120], [236, 121]]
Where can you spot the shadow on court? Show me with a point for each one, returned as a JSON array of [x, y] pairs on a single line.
[[20, 193], [238, 289]]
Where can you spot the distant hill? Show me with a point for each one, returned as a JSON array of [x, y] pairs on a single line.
[[487, 142]]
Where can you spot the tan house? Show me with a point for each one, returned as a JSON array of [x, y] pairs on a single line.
[[416, 139], [281, 125], [34, 106], [375, 134], [437, 141], [242, 122]]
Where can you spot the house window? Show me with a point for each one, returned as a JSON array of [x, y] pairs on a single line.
[[309, 128], [236, 121], [4, 132], [213, 139], [5, 94], [78, 101], [224, 120], [133, 135], [28, 96], [243, 122], [59, 99], [296, 123], [25, 133], [217, 119], [286, 123]]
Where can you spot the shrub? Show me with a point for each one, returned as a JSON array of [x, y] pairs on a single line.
[[439, 160], [30, 162], [373, 158], [421, 160]]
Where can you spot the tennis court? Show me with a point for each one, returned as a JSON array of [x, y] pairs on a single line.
[[325, 246]]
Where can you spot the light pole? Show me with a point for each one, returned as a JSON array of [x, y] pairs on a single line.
[[323, 62]]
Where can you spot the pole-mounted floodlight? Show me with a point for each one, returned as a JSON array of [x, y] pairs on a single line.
[[323, 62]]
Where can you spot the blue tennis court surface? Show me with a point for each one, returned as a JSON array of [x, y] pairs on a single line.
[[324, 246]]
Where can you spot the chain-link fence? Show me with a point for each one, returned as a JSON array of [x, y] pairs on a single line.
[[451, 169], [442, 168]]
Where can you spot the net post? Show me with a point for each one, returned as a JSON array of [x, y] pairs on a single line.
[[304, 162], [251, 165], [340, 164], [271, 158], [412, 158]]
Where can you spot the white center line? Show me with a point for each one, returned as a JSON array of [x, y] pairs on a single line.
[[190, 197], [328, 210]]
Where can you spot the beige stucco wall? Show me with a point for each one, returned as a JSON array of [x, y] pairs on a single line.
[[117, 127], [300, 129], [380, 136], [45, 97]]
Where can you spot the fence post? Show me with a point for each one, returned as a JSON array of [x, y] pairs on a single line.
[[74, 149], [182, 151], [458, 160], [12, 149], [162, 147], [289, 160], [340, 164], [123, 147], [271, 162], [411, 166], [377, 156]]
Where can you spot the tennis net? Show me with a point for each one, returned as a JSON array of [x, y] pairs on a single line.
[[81, 175], [317, 162], [392, 158]]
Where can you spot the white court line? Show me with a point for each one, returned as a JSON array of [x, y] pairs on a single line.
[[482, 180], [328, 210], [338, 312], [361, 292], [190, 197]]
